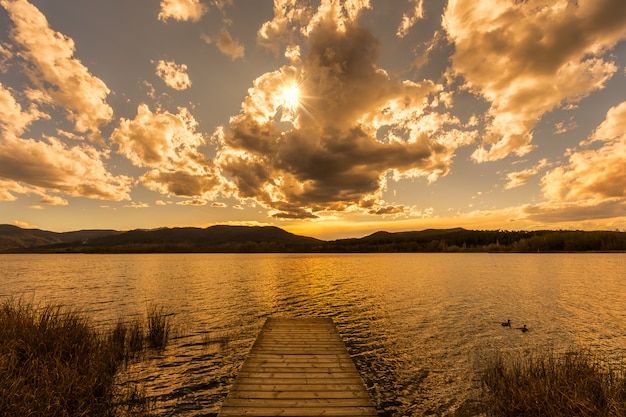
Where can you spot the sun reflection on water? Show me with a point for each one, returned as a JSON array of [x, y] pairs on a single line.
[[413, 323]]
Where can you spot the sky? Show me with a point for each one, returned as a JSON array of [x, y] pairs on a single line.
[[329, 118]]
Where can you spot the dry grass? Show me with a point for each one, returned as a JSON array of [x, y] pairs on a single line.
[[550, 384], [158, 328], [54, 362]]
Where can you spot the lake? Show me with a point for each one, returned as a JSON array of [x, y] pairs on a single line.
[[414, 324]]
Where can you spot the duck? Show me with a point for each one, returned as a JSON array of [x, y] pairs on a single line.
[[507, 323], [523, 328]]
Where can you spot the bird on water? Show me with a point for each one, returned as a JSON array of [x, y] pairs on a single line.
[[523, 329], [507, 323]]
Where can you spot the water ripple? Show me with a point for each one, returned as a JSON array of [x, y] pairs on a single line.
[[412, 323]]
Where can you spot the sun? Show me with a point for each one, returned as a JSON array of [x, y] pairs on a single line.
[[289, 96]]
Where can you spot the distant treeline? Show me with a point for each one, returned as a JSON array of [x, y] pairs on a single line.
[[452, 240], [234, 247], [269, 239], [461, 240]]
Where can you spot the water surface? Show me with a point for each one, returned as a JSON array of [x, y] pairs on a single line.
[[413, 323]]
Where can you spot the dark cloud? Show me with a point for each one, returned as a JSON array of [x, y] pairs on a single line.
[[354, 124], [576, 211], [181, 183], [77, 171], [389, 210]]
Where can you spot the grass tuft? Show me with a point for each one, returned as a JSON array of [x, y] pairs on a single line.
[[573, 384], [158, 328]]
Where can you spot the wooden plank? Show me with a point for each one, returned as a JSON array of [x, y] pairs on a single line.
[[314, 388], [298, 367], [297, 411], [300, 379], [260, 357], [236, 394], [299, 402]]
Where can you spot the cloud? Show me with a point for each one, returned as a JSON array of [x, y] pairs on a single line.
[[592, 184], [325, 135], [23, 225], [53, 200], [12, 119], [528, 57], [175, 76], [36, 166], [59, 78], [409, 20], [575, 212], [54, 78], [293, 18], [564, 127], [289, 15], [182, 10], [388, 210], [226, 44], [168, 144], [156, 139], [613, 129], [339, 13], [137, 205], [192, 202], [425, 49], [519, 178], [9, 188], [593, 174], [5, 55]]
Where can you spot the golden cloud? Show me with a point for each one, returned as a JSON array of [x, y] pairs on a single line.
[[594, 173], [409, 20], [174, 75], [168, 144], [59, 78], [12, 119], [226, 44], [182, 10], [519, 178], [527, 58]]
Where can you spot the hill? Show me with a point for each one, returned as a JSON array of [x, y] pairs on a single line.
[[188, 239], [462, 240], [212, 239], [15, 238], [242, 239]]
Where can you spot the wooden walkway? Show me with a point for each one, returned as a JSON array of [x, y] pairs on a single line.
[[298, 367]]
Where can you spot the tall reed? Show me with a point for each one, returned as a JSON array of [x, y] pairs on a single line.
[[54, 362], [158, 327], [577, 383]]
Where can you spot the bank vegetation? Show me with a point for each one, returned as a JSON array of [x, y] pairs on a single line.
[[55, 362], [577, 383]]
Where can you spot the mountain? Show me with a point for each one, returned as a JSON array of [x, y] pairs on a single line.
[[415, 235], [212, 239], [15, 238], [243, 239]]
